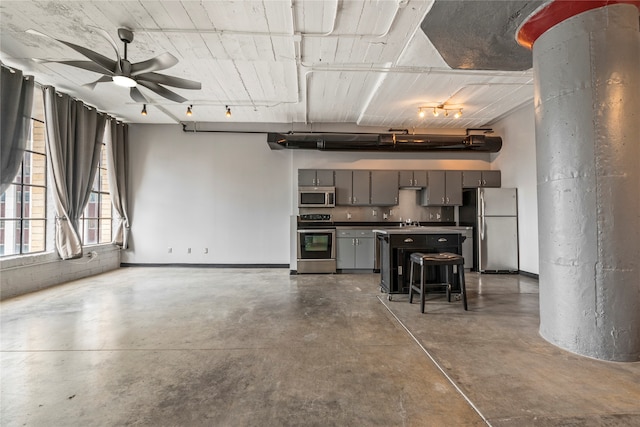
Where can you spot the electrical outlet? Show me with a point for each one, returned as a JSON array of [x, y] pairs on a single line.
[[169, 250], [206, 250], [188, 250]]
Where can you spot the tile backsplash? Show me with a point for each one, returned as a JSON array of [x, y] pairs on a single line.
[[408, 208]]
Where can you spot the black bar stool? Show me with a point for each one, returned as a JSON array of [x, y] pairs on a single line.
[[444, 261]]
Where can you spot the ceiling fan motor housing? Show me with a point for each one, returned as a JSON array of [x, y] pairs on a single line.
[[125, 35]]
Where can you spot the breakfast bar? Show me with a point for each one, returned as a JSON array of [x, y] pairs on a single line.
[[397, 245]]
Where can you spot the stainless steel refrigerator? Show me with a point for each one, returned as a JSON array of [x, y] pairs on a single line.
[[493, 213]]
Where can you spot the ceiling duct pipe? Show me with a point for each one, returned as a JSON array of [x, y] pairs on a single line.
[[384, 142]]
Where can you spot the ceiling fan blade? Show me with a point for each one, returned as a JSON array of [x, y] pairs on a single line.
[[160, 62], [162, 91], [107, 64], [85, 65], [108, 38], [102, 79], [169, 81], [137, 96]]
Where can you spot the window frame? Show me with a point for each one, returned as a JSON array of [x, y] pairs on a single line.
[[21, 222], [101, 182]]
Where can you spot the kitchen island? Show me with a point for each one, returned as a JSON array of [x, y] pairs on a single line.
[[397, 245]]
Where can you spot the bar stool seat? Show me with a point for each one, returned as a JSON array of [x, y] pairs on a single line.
[[444, 261]]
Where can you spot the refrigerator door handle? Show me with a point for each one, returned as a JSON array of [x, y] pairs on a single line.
[[482, 221]]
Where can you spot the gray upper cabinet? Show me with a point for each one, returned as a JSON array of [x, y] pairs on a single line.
[[352, 187], [315, 178], [491, 179], [444, 188], [384, 188], [413, 179], [475, 179], [344, 184], [361, 188]]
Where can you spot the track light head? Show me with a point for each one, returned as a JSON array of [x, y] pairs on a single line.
[[228, 113], [435, 112], [144, 110], [189, 112], [420, 112], [458, 114]]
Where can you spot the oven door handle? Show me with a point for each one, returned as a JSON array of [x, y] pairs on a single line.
[[316, 230]]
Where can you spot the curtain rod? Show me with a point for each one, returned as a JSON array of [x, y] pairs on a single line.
[[14, 70]]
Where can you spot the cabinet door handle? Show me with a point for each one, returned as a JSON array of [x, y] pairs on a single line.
[[484, 182], [447, 200]]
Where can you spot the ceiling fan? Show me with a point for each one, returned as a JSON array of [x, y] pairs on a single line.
[[124, 73]]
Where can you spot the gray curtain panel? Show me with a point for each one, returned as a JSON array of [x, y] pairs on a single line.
[[117, 173], [74, 134], [15, 117]]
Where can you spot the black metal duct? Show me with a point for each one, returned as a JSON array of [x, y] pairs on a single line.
[[384, 142]]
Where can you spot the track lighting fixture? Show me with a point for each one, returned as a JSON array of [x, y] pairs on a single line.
[[438, 109], [189, 112], [144, 110], [228, 113]]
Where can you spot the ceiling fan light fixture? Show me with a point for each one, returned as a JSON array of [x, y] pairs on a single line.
[[189, 112], [124, 81], [458, 114], [420, 112], [144, 110], [228, 113]]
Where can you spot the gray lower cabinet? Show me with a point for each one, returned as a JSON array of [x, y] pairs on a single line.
[[444, 188], [355, 249], [384, 188], [353, 187]]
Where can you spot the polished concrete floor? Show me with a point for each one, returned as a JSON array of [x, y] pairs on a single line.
[[258, 347]]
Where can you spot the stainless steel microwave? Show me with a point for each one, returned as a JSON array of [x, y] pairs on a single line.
[[316, 197]]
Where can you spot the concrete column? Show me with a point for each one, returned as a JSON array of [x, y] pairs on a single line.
[[587, 107]]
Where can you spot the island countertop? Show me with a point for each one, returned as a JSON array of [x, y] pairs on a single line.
[[422, 230]]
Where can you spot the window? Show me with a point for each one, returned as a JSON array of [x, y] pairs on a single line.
[[23, 206], [95, 223]]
